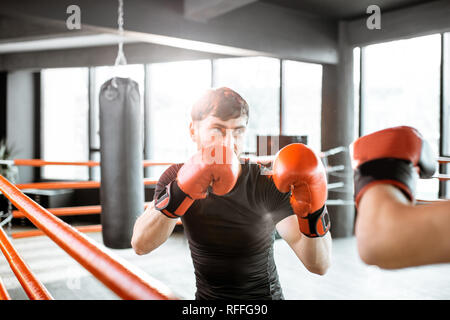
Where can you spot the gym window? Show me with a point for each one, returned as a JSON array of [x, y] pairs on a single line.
[[402, 87], [173, 87], [64, 122], [302, 101], [168, 91], [257, 80]]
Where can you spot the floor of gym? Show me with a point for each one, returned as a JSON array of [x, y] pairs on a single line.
[[348, 277]]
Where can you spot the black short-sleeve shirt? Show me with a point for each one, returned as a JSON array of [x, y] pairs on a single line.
[[231, 237]]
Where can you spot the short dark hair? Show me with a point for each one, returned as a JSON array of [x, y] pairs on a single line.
[[222, 103]]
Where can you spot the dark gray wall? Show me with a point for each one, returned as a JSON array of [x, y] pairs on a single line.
[[3, 99], [338, 131], [419, 20], [20, 119]]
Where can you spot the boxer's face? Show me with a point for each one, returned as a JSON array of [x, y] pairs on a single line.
[[212, 130]]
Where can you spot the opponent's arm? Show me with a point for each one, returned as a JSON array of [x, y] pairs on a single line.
[[298, 169], [394, 233], [391, 231]]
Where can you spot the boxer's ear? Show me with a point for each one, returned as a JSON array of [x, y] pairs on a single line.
[[192, 131]]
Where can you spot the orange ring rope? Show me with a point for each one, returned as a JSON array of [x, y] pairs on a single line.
[[146, 163], [60, 185], [444, 159], [34, 289], [35, 233], [69, 211], [65, 211], [73, 211], [70, 185], [149, 163], [125, 280], [41, 163], [4, 295], [420, 201], [84, 229], [442, 177]]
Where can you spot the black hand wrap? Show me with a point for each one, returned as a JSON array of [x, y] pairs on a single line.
[[315, 224], [172, 201]]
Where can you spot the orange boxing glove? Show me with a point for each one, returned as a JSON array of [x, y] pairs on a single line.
[[298, 169], [215, 166], [391, 156]]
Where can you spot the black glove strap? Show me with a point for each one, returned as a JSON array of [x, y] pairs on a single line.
[[318, 223], [387, 169], [171, 200]]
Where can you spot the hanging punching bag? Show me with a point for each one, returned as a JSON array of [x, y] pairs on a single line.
[[122, 180]]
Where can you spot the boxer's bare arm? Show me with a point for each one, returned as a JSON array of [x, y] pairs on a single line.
[[151, 230], [394, 233], [315, 253]]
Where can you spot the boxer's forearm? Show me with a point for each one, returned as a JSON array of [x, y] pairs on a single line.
[[393, 233], [315, 253], [151, 230]]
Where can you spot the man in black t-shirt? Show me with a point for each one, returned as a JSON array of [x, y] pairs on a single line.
[[230, 210]]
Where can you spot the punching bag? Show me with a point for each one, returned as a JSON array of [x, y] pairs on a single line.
[[121, 149]]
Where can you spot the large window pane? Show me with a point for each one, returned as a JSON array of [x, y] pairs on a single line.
[[101, 75], [257, 80], [302, 101], [174, 87], [402, 87], [65, 121]]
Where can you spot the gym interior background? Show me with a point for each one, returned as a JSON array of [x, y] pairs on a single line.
[[318, 69]]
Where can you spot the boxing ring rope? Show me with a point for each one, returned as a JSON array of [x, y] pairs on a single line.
[[65, 211], [442, 177], [422, 201], [84, 229], [34, 233], [148, 163], [70, 185], [68, 211], [122, 278], [443, 160], [34, 289], [4, 295], [41, 163], [96, 184]]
